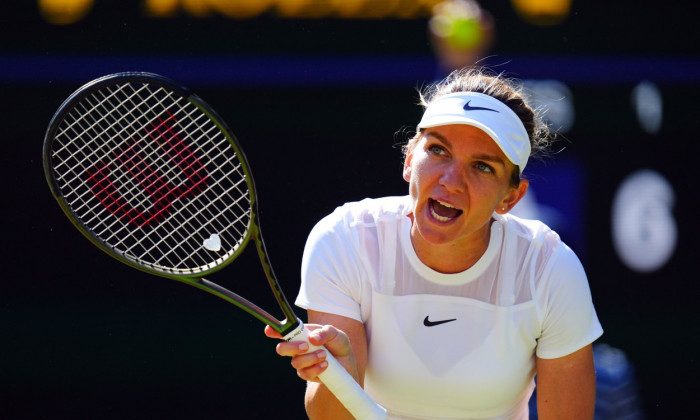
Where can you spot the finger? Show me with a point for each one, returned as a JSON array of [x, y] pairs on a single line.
[[292, 348], [308, 360], [333, 339], [321, 335], [311, 373], [270, 332]]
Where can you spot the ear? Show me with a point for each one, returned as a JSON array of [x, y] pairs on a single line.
[[407, 167], [512, 197]]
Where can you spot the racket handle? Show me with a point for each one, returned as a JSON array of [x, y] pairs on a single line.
[[341, 383]]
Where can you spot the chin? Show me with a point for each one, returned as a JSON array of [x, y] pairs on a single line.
[[434, 232]]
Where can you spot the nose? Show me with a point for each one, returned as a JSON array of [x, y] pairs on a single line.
[[454, 179]]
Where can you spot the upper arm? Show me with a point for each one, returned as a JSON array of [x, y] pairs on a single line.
[[566, 386], [569, 318]]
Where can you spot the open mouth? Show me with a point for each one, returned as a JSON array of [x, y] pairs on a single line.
[[443, 212]]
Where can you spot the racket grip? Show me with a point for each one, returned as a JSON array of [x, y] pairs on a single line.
[[341, 383]]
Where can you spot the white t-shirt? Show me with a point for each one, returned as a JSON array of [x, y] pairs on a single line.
[[449, 346]]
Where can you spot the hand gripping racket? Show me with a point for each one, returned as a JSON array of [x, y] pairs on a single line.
[[150, 174]]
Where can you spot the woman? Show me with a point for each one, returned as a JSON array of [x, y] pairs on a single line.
[[441, 304]]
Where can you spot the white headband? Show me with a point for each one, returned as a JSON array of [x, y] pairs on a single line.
[[486, 113]]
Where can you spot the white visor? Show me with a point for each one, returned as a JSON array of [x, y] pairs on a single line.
[[486, 113]]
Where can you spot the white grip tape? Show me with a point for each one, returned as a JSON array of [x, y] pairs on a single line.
[[342, 384]]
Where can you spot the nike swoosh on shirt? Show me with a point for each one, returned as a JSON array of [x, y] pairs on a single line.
[[468, 107], [428, 323]]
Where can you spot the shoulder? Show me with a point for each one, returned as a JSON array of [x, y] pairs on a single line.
[[368, 211], [534, 241], [531, 231], [358, 224]]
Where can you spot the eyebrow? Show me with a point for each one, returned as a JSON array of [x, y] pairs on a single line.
[[484, 157], [491, 158]]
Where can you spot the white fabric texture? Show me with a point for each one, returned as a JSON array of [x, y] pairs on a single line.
[[528, 295]]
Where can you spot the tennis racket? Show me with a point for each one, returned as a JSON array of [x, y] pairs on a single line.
[[149, 173]]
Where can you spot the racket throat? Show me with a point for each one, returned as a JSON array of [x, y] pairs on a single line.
[[283, 327]]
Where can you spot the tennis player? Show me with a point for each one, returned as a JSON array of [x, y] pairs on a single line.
[[440, 303]]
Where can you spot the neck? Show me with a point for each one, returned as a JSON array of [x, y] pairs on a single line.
[[452, 257]]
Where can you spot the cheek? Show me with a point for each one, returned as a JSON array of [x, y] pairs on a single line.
[[415, 175], [485, 192], [419, 168], [412, 185]]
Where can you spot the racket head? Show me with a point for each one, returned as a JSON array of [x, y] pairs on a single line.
[[151, 174]]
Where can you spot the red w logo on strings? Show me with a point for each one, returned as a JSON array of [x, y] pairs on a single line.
[[162, 193]]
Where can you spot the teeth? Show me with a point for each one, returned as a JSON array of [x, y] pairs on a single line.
[[437, 216], [446, 205]]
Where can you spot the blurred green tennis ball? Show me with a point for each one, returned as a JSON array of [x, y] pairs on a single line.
[[461, 32], [466, 33]]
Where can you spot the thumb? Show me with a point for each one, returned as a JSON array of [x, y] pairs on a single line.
[[333, 339]]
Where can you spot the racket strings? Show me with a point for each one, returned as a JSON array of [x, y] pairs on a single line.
[[203, 211], [87, 110], [161, 241], [127, 188], [85, 113], [154, 177], [189, 216]]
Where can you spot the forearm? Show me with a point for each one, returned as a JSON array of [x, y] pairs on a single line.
[[321, 404], [352, 355]]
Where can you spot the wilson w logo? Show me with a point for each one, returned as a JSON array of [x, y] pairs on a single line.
[[132, 160]]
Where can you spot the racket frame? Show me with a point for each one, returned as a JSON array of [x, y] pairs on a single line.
[[335, 377], [284, 327]]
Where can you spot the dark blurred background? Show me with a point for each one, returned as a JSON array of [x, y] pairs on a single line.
[[320, 93]]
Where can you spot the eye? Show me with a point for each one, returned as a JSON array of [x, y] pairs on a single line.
[[483, 167], [437, 150]]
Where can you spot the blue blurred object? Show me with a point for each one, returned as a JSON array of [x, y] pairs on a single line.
[[617, 392]]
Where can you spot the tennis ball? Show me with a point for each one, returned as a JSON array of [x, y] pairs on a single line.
[[466, 33]]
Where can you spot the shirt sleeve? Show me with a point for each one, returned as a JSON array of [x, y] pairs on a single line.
[[569, 319], [330, 272]]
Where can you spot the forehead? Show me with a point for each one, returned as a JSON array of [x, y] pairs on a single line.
[[462, 135]]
